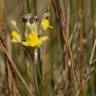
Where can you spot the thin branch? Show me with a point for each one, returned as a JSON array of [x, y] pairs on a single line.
[[15, 68], [59, 12], [93, 51]]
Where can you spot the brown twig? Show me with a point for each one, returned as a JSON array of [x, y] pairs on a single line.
[[59, 12], [15, 68]]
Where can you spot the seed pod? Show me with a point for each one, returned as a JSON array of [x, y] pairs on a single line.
[[27, 17], [36, 18]]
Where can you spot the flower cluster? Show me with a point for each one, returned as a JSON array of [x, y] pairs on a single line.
[[32, 34]]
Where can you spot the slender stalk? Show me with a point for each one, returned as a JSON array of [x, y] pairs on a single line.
[[81, 59], [34, 70], [28, 7], [7, 76], [93, 51], [80, 47], [0, 15], [42, 67]]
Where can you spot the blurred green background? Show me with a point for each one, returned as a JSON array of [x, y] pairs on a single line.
[[71, 41]]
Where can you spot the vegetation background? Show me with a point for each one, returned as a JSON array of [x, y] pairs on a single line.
[[67, 59]]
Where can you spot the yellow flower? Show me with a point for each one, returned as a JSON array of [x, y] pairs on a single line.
[[16, 37], [45, 24], [33, 40]]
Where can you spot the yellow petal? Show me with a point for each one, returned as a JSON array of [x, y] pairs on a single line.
[[32, 43], [25, 43], [45, 24], [33, 40], [14, 40], [16, 37], [31, 36], [39, 42], [14, 34], [43, 38]]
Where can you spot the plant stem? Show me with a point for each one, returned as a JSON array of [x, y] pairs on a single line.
[[34, 70]]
